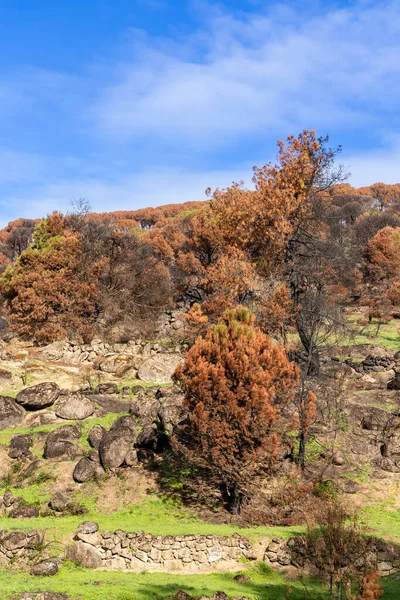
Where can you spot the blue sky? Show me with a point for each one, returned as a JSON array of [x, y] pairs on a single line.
[[134, 103]]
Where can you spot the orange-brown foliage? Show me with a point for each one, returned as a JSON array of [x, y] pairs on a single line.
[[237, 384]]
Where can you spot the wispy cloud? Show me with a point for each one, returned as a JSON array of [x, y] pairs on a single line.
[[256, 75]]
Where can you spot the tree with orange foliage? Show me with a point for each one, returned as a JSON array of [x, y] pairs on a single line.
[[382, 254], [44, 296], [237, 385], [230, 281], [280, 226], [382, 273], [384, 194]]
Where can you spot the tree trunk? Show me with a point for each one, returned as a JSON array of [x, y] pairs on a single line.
[[301, 458], [313, 362], [232, 497]]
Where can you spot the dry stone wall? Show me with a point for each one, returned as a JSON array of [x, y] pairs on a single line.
[[144, 552], [192, 553], [281, 553], [139, 551], [168, 328], [19, 547]]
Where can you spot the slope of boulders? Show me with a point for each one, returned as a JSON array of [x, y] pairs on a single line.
[[142, 431]]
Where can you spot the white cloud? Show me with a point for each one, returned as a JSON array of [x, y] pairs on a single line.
[[255, 75]]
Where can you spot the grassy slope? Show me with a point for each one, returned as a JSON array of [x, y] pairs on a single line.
[[388, 334], [161, 516], [84, 584]]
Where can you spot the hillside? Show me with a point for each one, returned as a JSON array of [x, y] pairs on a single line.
[[194, 398]]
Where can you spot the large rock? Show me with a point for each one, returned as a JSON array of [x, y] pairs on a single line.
[[115, 446], [38, 396], [159, 368], [19, 510], [113, 363], [95, 436], [107, 388], [123, 422], [45, 568], [74, 406], [110, 404], [41, 418], [20, 446], [62, 450], [84, 555], [60, 443], [11, 414], [59, 501], [14, 540], [88, 527], [84, 470], [171, 411], [146, 411]]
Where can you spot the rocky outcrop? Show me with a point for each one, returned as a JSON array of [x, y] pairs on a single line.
[[381, 556], [17, 508], [38, 396], [11, 414], [18, 546], [116, 364], [380, 368], [107, 388], [115, 446], [169, 326], [170, 411]]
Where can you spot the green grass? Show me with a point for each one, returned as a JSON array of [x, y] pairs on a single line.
[[387, 336], [33, 494], [154, 515], [82, 584], [384, 520], [386, 406]]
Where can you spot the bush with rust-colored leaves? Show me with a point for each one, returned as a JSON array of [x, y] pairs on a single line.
[[237, 385]]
